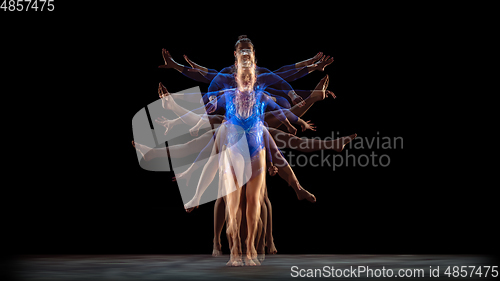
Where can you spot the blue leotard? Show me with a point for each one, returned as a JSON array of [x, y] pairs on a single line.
[[246, 111]]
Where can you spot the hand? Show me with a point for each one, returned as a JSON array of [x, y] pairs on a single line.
[[165, 123], [194, 131], [307, 125], [196, 67], [291, 129], [186, 175], [166, 101], [328, 92], [169, 62], [309, 61], [323, 62], [211, 106], [191, 63], [296, 99], [315, 58], [273, 170]]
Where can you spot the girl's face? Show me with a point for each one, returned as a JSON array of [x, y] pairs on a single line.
[[245, 78], [245, 56]]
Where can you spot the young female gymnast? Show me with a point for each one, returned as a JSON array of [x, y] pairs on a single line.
[[312, 145]]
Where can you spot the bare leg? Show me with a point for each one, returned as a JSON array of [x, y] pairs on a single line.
[[260, 239], [168, 102], [219, 219], [243, 223], [176, 151], [262, 231], [148, 153], [286, 172], [233, 219], [208, 173], [189, 97], [271, 249], [192, 146], [319, 93], [254, 194]]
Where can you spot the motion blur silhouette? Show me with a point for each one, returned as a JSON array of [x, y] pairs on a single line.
[[233, 129]]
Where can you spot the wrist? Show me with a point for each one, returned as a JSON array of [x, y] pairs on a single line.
[[179, 67], [299, 65], [311, 68]]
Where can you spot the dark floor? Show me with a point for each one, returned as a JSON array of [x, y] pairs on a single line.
[[206, 267]]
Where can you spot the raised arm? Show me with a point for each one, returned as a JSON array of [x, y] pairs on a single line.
[[295, 71], [186, 71], [209, 74]]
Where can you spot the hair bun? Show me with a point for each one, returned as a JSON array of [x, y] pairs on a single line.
[[241, 37]]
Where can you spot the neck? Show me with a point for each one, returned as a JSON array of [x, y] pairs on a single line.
[[245, 91]]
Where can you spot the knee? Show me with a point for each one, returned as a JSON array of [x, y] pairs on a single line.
[[252, 201], [219, 201]]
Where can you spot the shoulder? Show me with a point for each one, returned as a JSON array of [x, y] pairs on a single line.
[[227, 70], [261, 94], [223, 77], [263, 70]]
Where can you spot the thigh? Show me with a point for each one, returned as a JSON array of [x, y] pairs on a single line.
[[255, 184]]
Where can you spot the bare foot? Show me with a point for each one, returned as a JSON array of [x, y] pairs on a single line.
[[304, 194], [338, 144], [251, 261], [251, 254], [192, 204], [261, 252], [143, 150], [235, 261], [217, 249], [271, 249]]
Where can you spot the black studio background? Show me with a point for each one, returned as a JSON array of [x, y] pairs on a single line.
[[98, 67]]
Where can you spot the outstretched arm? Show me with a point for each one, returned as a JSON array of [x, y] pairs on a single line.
[[209, 74], [295, 71], [279, 113], [271, 79], [299, 65], [186, 71], [169, 62]]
